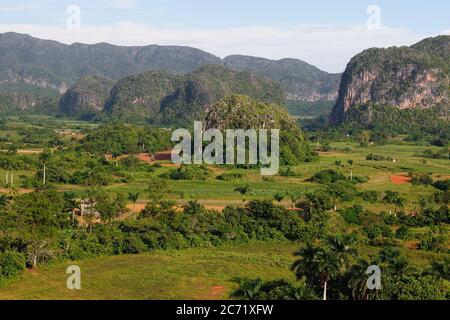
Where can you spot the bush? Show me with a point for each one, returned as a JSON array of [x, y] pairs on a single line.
[[423, 179], [133, 244], [443, 185], [371, 196], [402, 233], [256, 289], [377, 157], [229, 176], [189, 172], [413, 287], [352, 215], [287, 172], [11, 264], [433, 243], [327, 177]]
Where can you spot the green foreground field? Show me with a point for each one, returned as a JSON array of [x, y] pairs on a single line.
[[192, 274], [186, 274]]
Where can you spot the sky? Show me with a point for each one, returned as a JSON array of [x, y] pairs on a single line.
[[325, 33]]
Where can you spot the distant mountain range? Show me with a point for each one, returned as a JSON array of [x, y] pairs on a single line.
[[32, 68], [300, 80], [169, 84]]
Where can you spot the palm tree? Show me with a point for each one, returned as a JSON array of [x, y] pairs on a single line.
[[350, 164], [243, 190], [317, 265], [358, 281], [249, 289], [294, 197], [342, 244], [335, 194], [278, 197], [133, 196], [44, 157], [396, 263], [338, 164]]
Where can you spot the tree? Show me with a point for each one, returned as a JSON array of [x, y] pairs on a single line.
[[44, 158], [338, 163], [393, 260], [364, 138], [342, 244], [89, 211], [441, 269], [133, 196], [38, 250], [335, 194], [318, 265], [109, 205], [157, 188], [357, 281], [392, 197], [243, 190], [350, 164], [294, 197], [278, 197]]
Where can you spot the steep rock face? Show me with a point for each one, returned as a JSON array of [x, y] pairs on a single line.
[[89, 94], [407, 78], [300, 80]]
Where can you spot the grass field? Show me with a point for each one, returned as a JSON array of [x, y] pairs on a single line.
[[186, 274], [211, 273]]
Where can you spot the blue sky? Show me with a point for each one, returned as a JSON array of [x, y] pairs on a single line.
[[322, 32]]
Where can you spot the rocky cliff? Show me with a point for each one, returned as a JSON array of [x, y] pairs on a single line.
[[89, 94], [406, 77]]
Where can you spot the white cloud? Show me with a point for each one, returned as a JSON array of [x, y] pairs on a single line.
[[325, 46], [123, 3], [18, 8]]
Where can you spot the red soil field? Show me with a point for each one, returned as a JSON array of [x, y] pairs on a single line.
[[400, 179]]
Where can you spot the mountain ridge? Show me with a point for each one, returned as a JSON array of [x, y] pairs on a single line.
[[29, 62]]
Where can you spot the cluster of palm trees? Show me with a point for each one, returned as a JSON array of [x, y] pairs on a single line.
[[321, 264], [337, 262]]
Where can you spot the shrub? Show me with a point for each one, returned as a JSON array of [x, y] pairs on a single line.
[[256, 289], [133, 244], [229, 176], [327, 177], [11, 264], [377, 157], [371, 196], [402, 233], [352, 215]]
